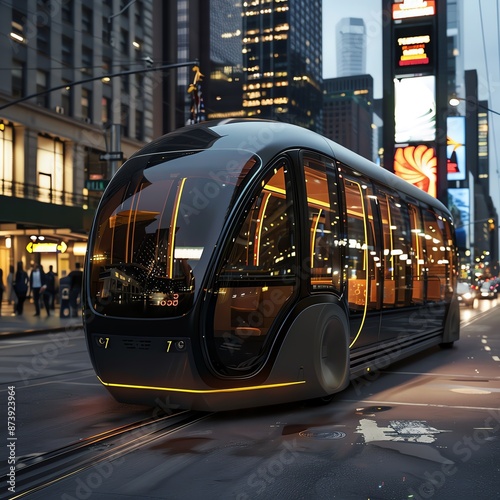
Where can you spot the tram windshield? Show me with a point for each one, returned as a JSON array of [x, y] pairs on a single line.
[[158, 223]]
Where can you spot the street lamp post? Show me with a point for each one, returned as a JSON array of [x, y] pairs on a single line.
[[455, 101]]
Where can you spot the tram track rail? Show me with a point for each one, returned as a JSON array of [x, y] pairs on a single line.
[[35, 473]]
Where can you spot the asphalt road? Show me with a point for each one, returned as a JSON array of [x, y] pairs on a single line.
[[426, 427]]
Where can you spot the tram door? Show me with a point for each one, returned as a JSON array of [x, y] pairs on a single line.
[[363, 260], [257, 279]]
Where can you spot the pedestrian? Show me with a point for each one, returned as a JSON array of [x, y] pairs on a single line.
[[44, 296], [11, 293], [51, 290], [75, 289], [36, 282], [2, 288], [21, 283]]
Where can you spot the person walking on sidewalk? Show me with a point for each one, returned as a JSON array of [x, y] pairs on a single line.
[[11, 293], [75, 289], [50, 281], [44, 296], [21, 283], [2, 288], [36, 282]]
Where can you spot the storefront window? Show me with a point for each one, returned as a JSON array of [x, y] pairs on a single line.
[[50, 169]]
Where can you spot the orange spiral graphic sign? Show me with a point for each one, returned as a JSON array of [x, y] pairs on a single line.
[[418, 166]]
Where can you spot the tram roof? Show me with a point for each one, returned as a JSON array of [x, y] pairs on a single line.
[[267, 138]]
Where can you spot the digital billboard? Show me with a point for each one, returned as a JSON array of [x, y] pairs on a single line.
[[455, 148], [407, 9], [417, 164], [459, 205], [415, 109], [414, 49]]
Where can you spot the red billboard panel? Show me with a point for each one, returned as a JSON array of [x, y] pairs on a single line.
[[408, 9]]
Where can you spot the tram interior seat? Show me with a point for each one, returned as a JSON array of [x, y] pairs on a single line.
[[244, 302], [434, 288], [418, 290], [357, 291], [389, 292], [236, 310]]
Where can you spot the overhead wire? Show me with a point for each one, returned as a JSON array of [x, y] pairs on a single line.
[[488, 83]]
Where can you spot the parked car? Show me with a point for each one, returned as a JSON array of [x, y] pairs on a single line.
[[466, 294], [489, 289]]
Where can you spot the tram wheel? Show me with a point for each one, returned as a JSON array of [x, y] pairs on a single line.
[[446, 345], [322, 401]]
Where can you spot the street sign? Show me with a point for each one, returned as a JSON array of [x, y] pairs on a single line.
[[96, 185], [46, 247], [112, 156]]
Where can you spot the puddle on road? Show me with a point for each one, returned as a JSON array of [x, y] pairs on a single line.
[[410, 431], [410, 437], [306, 431], [425, 451], [322, 434]]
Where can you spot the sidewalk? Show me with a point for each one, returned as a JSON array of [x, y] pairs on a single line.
[[28, 323]]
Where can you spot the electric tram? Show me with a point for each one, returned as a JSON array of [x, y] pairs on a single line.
[[242, 263]]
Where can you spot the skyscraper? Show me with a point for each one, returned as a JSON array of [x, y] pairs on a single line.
[[282, 62], [348, 113], [351, 47], [260, 59]]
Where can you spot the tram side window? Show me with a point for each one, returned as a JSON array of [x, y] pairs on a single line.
[[398, 251], [324, 221], [438, 257], [417, 254], [265, 243]]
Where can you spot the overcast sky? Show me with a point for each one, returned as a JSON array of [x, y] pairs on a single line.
[[481, 47]]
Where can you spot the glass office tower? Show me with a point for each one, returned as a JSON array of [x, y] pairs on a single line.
[[282, 62]]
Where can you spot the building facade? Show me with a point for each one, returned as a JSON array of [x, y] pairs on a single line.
[[348, 113], [61, 110]]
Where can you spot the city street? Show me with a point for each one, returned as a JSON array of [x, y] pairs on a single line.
[[206, 206], [426, 427]]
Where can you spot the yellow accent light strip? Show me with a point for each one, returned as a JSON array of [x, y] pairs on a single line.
[[201, 391], [173, 228], [314, 229], [260, 222]]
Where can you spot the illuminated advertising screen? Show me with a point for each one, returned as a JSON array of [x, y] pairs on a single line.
[[459, 206], [407, 9], [414, 49], [417, 164], [455, 148], [415, 109]]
